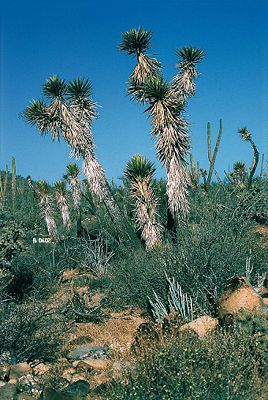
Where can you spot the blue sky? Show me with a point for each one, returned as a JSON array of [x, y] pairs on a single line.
[[80, 38]]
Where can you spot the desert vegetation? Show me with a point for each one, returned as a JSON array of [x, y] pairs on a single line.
[[162, 256]]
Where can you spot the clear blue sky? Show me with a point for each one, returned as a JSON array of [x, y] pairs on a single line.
[[80, 38]]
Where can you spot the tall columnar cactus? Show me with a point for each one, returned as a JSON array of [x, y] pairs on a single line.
[[246, 135], [1, 190], [212, 157], [13, 184], [46, 207], [5, 186], [61, 197], [194, 172], [139, 173]]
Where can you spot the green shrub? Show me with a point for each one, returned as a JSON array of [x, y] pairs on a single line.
[[32, 331], [221, 367]]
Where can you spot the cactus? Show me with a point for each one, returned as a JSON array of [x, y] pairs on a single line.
[[194, 172], [212, 158], [246, 135], [13, 184], [262, 172], [5, 186]]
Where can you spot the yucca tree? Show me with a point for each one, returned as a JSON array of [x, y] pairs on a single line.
[[239, 174], [246, 135], [183, 84], [84, 109], [72, 177], [70, 114], [136, 42], [46, 207], [166, 103], [61, 197], [139, 173]]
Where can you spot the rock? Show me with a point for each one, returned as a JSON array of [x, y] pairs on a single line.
[[202, 326], [79, 388], [94, 352], [19, 370], [93, 364], [41, 369], [68, 373], [237, 296], [8, 391]]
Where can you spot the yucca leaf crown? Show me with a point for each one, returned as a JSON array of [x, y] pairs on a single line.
[[54, 87], [72, 171], [79, 89], [135, 41], [244, 133], [35, 112], [190, 55], [60, 187], [139, 167], [42, 187], [156, 88]]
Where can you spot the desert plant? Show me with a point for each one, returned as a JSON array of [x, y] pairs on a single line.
[[239, 175], [139, 172], [176, 301], [166, 103], [61, 196], [212, 158], [246, 135], [71, 177], [13, 183], [97, 257], [46, 208]]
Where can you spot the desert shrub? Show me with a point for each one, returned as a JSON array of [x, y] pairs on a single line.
[[32, 331], [212, 246], [221, 367]]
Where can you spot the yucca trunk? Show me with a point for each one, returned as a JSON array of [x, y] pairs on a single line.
[[47, 214], [145, 212], [64, 209]]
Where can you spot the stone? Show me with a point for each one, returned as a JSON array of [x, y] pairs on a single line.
[[93, 363], [239, 295], [41, 369], [202, 326], [68, 373], [8, 391], [19, 370], [94, 352]]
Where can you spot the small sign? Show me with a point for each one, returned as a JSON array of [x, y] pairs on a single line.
[[42, 240]]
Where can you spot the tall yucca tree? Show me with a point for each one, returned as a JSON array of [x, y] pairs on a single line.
[[183, 84], [61, 197], [72, 177], [84, 109], [139, 173], [166, 104], [172, 141], [46, 207], [70, 114], [136, 42], [246, 135]]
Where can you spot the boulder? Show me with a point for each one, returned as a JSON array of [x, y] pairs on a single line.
[[202, 326], [239, 295], [19, 370], [89, 363], [94, 352]]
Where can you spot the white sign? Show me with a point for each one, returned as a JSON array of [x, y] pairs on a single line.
[[42, 240]]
